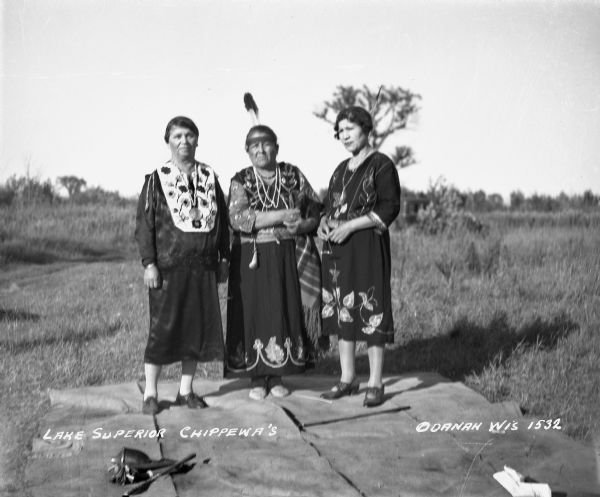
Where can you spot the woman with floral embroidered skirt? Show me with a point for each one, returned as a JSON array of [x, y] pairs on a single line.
[[272, 208], [183, 238], [363, 199]]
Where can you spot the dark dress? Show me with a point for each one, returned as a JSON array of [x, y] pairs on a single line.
[[357, 304], [185, 317], [266, 333]]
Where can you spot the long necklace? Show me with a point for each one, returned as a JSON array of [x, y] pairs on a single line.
[[265, 199], [266, 202], [345, 184], [353, 164]]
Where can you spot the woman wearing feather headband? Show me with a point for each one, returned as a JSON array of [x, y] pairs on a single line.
[[362, 201], [271, 207], [183, 239]]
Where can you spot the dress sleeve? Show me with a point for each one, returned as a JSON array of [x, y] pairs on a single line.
[[387, 205], [327, 200], [312, 203], [223, 223], [144, 223], [241, 216]]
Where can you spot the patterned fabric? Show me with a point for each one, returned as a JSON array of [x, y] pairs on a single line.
[[356, 274], [245, 202], [161, 242], [265, 334], [293, 186], [192, 200], [372, 189], [266, 324], [185, 317], [309, 270]]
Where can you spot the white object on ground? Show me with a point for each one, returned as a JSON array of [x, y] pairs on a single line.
[[514, 483]]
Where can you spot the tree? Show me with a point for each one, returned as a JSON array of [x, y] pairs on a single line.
[[495, 202], [517, 200], [390, 107], [479, 201], [589, 199], [73, 185]]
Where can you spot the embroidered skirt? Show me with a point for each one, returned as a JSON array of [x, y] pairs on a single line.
[[185, 317], [357, 301], [265, 334]]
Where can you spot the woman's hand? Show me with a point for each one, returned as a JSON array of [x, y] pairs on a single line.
[[223, 271], [342, 232], [290, 215], [152, 277], [323, 230], [294, 227], [300, 226], [268, 219]]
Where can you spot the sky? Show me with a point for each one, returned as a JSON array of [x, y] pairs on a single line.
[[510, 93]]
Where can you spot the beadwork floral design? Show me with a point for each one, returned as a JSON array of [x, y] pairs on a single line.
[[274, 352], [245, 200], [343, 206], [274, 355], [288, 182], [191, 209], [341, 307]]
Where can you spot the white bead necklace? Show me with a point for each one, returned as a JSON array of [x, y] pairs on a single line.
[[266, 200]]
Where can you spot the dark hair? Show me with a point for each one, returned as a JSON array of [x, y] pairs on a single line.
[[182, 122], [354, 114], [261, 128]]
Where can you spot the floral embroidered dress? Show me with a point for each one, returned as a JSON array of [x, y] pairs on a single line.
[[357, 304], [265, 330], [181, 226]]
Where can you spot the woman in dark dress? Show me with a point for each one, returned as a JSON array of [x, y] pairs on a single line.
[[271, 208], [363, 199], [183, 238]]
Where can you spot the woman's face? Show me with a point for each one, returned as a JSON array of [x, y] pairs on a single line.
[[262, 150], [352, 136], [183, 143]]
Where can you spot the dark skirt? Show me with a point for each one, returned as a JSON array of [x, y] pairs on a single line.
[[357, 300], [185, 318], [265, 334]]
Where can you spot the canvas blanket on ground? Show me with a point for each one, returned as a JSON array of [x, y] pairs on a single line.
[[431, 437]]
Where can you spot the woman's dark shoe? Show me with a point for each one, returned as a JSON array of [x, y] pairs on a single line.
[[374, 396], [150, 406], [191, 400], [340, 390]]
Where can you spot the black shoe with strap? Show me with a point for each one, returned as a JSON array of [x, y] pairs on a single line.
[[150, 406], [340, 390], [373, 396], [191, 400]]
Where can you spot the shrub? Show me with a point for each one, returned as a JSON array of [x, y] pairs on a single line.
[[27, 190], [444, 212]]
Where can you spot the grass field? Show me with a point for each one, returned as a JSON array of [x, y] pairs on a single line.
[[514, 314]]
